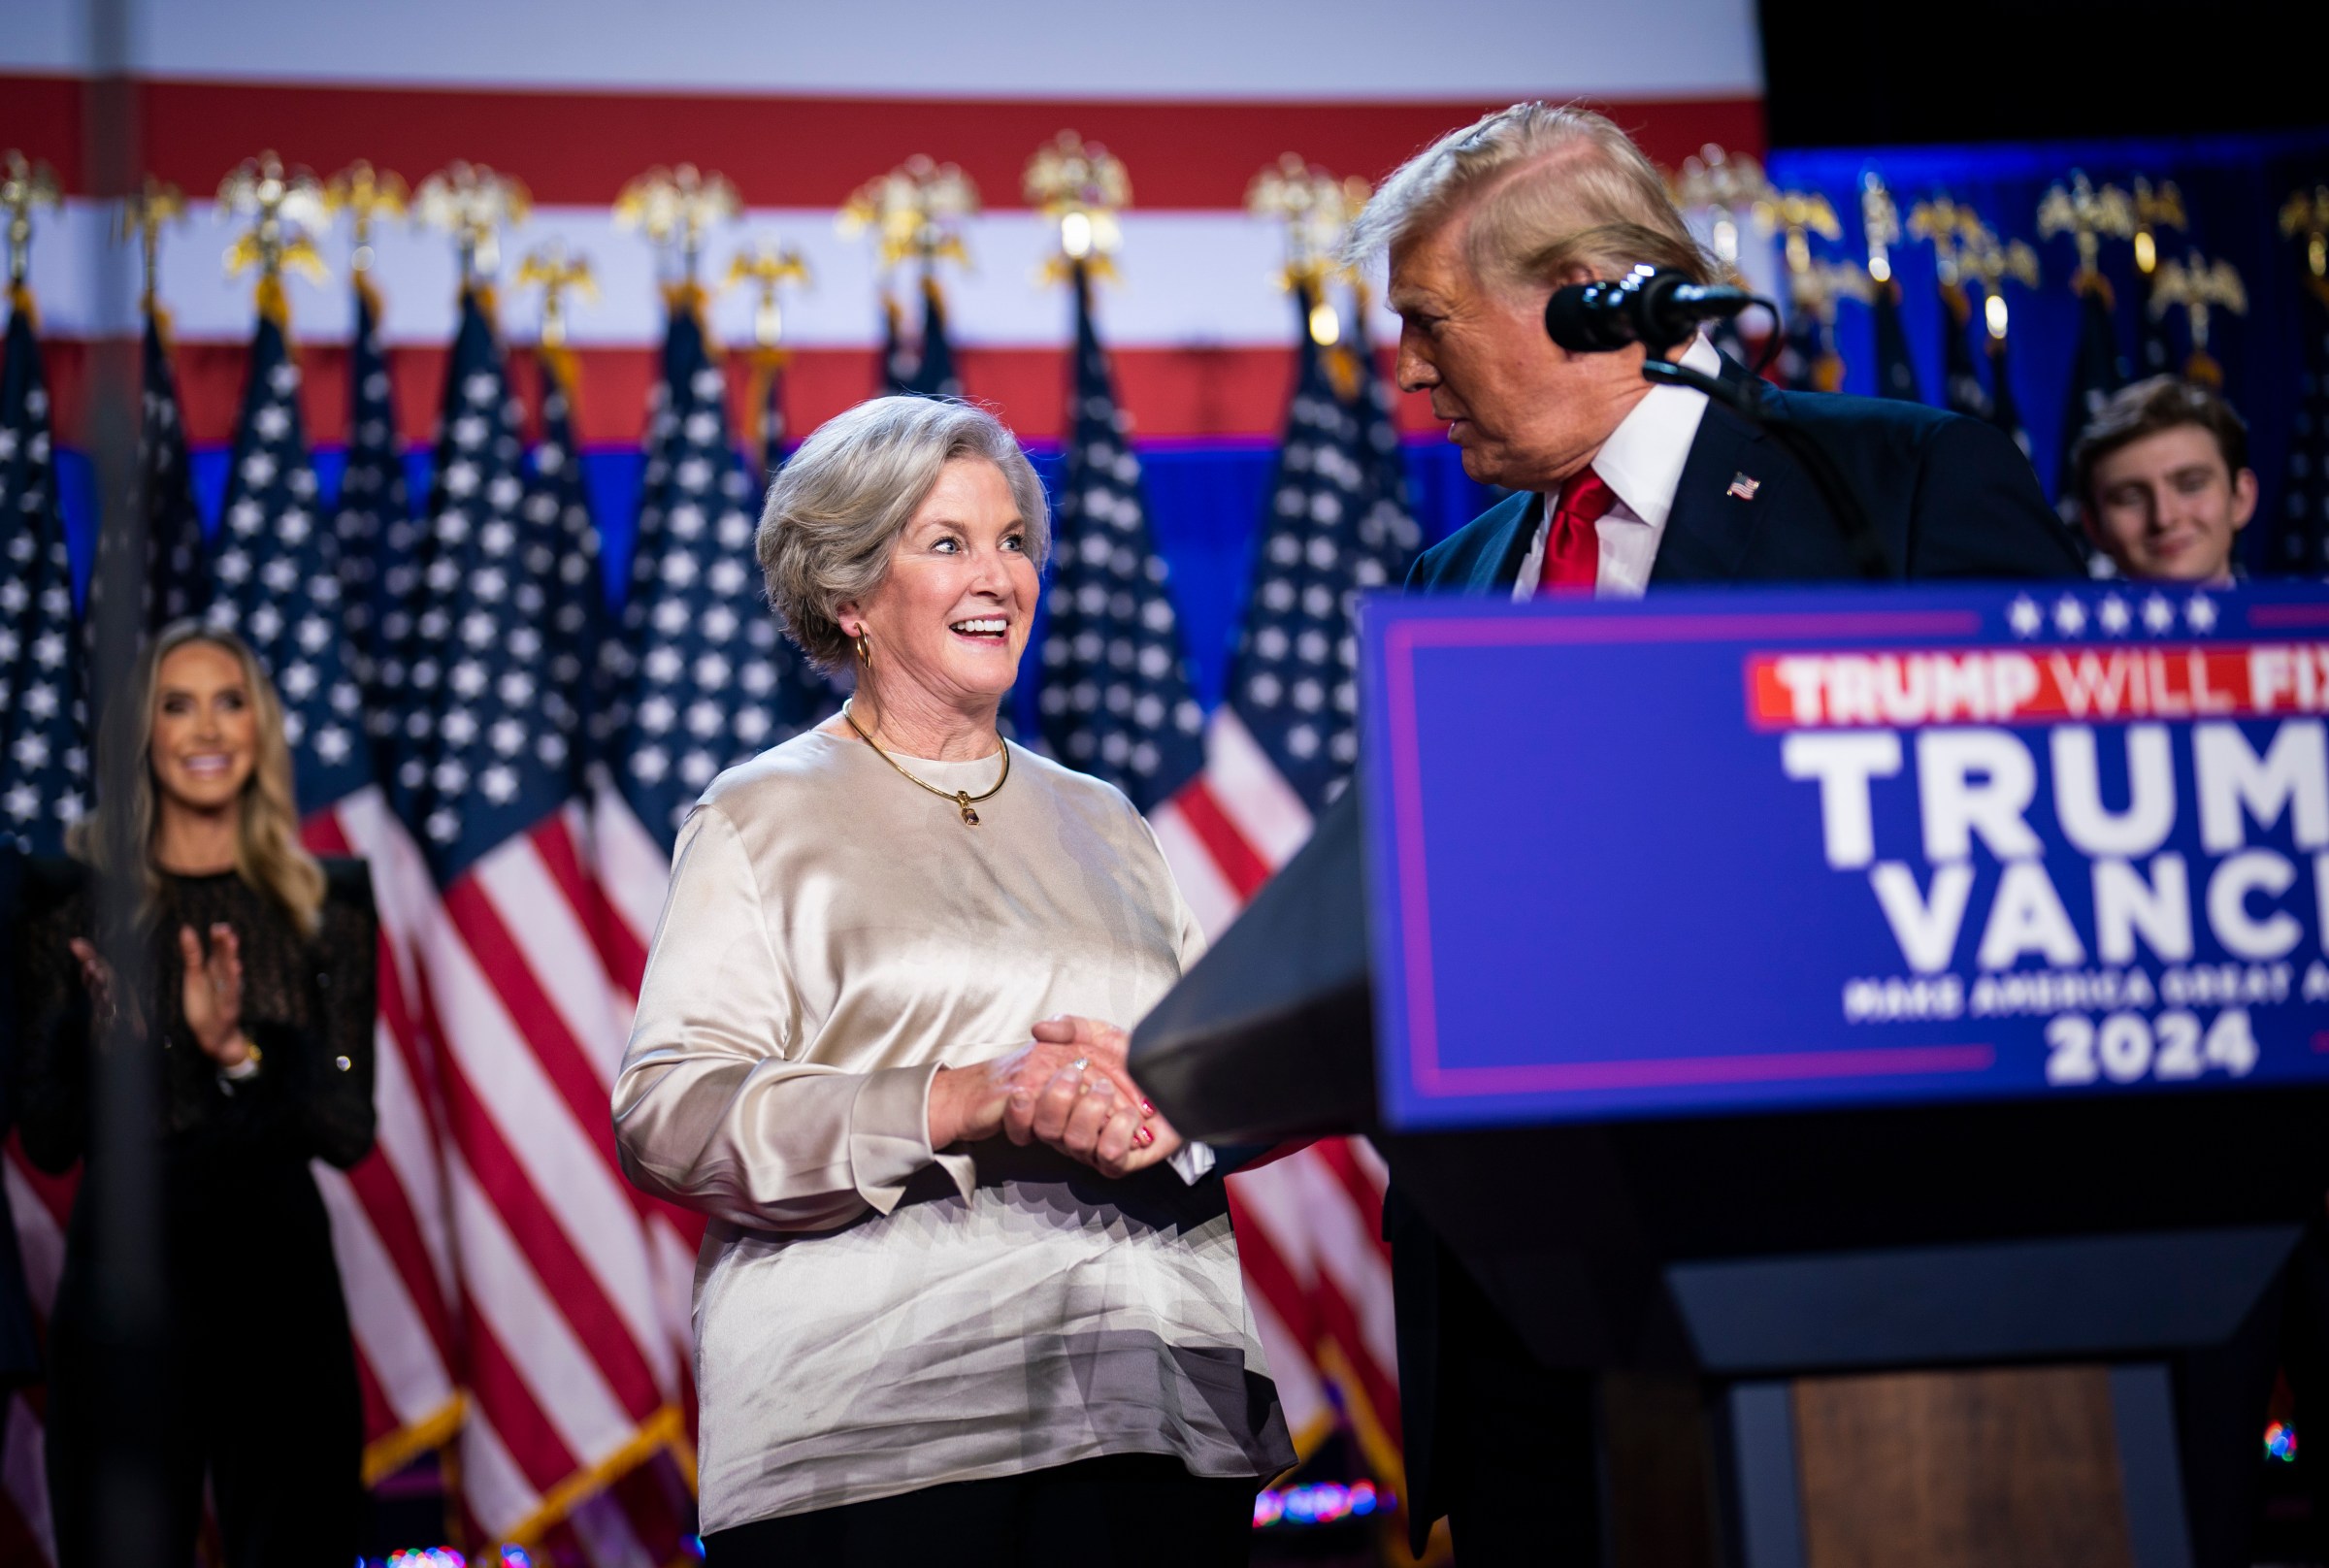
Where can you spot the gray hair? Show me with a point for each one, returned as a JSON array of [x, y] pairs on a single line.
[[1553, 187], [834, 511]]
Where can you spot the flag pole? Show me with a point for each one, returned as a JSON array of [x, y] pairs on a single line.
[[129, 1309]]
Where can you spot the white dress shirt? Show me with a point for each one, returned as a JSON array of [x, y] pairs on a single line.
[[1642, 462]]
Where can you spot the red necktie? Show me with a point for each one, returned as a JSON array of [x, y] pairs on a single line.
[[1572, 547]]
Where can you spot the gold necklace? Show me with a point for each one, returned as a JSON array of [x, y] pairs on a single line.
[[963, 800]]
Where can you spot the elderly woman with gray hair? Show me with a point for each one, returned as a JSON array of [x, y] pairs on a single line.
[[964, 1293]]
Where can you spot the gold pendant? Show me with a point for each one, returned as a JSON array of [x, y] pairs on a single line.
[[962, 797]]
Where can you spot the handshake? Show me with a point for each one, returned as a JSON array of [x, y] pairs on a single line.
[[1067, 1086]]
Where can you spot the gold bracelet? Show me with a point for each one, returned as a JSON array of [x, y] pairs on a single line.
[[249, 1064]]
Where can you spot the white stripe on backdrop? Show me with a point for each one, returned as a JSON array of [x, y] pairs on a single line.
[[1203, 49], [1208, 279]]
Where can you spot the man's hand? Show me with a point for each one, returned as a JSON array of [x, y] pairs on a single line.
[[1096, 1113]]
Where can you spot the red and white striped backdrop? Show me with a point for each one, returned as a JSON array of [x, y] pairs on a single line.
[[473, 1301], [799, 110]]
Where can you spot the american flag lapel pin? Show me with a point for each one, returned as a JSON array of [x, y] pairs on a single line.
[[1743, 487]]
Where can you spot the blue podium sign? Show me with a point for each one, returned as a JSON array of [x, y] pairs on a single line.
[[1764, 850]]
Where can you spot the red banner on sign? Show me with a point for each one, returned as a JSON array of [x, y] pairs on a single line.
[[1902, 690]]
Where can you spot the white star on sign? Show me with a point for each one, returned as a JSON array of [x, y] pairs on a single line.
[[2158, 616], [2070, 616], [2201, 614], [2114, 614]]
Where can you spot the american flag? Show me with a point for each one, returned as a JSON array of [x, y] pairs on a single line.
[[1895, 366], [564, 589], [928, 370], [43, 719], [897, 358], [697, 680], [42, 731], [1332, 534], [1808, 361], [2005, 412], [279, 583], [177, 579], [771, 438], [1387, 528], [373, 513], [2095, 374], [700, 680], [1277, 750], [1116, 700], [1963, 390], [640, 1519], [2154, 349], [572, 1364], [2300, 538], [277, 571], [177, 566]]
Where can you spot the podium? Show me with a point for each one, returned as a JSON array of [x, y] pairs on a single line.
[[1855, 1185]]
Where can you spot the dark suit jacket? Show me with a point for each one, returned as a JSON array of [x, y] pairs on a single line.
[[1949, 496]]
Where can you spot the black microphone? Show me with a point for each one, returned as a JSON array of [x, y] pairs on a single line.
[[1649, 306]]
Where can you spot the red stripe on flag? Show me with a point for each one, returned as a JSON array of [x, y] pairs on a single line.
[[561, 1055], [322, 834], [380, 1417], [1240, 865], [18, 1543], [1367, 1198], [516, 1417], [619, 947], [581, 147], [390, 1208], [563, 1062], [654, 1499], [1268, 1275], [1338, 1319], [56, 1192], [396, 1011], [565, 1275]]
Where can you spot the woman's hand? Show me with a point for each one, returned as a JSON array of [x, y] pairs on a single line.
[[213, 994], [966, 1103], [1096, 1114], [975, 1100], [97, 979]]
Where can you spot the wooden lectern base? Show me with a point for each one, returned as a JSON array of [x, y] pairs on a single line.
[[1987, 1469], [1995, 1468]]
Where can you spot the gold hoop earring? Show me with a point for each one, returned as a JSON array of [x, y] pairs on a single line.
[[865, 646]]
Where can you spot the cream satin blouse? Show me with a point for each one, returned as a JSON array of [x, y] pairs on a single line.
[[872, 1316]]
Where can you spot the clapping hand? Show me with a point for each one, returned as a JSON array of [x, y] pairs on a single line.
[[1090, 1109], [97, 979], [214, 994]]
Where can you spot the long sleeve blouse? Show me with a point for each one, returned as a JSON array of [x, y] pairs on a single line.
[[873, 1315]]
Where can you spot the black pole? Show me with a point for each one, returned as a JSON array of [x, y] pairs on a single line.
[[122, 1185]]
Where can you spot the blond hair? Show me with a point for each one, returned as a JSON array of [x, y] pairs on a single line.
[[268, 853], [1550, 189]]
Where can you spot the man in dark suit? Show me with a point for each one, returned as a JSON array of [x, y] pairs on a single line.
[[1618, 488]]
